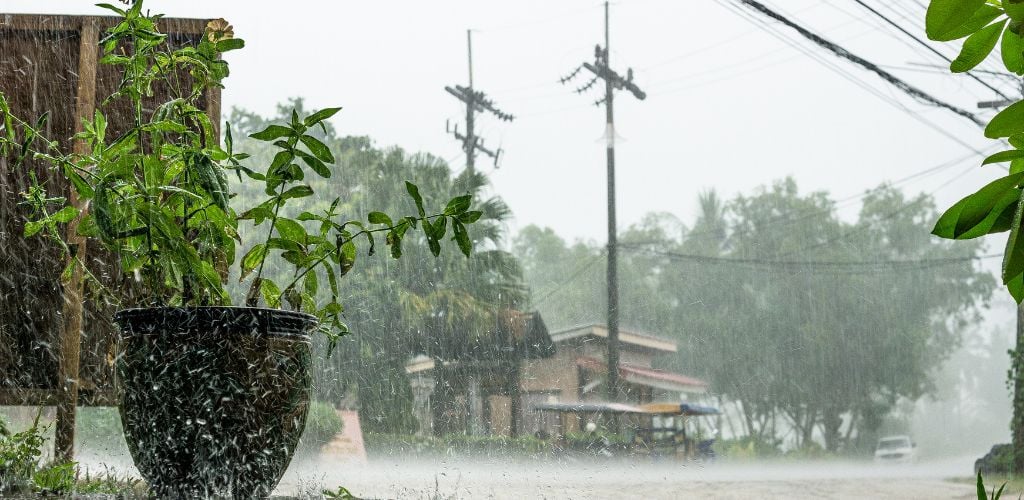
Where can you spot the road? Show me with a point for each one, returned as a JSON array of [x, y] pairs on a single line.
[[488, 478]]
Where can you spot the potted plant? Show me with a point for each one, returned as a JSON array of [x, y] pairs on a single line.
[[214, 397]]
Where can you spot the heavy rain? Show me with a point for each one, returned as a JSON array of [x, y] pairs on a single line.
[[456, 249]]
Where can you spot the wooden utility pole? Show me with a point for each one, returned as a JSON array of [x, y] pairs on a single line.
[[71, 336], [602, 70], [476, 101]]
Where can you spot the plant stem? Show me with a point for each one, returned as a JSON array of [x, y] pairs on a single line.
[[253, 297]]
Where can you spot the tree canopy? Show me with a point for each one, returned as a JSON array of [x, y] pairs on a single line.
[[789, 310]]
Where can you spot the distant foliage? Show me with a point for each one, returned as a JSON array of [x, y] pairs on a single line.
[[789, 311], [455, 445]]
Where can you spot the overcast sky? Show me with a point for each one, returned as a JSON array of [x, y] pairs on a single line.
[[730, 107]]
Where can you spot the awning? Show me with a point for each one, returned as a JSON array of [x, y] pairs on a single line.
[[587, 408], [679, 409], [648, 409]]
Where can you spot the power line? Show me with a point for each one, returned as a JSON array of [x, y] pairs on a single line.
[[572, 277], [844, 74], [853, 267], [846, 54], [925, 45]]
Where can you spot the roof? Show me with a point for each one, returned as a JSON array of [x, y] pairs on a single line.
[[644, 340], [652, 409], [515, 335], [651, 377], [587, 407]]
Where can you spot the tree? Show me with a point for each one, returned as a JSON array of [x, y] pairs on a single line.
[[787, 309]]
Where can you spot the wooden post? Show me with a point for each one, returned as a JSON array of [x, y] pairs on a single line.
[[71, 336]]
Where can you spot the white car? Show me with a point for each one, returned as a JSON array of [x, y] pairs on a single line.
[[895, 449]]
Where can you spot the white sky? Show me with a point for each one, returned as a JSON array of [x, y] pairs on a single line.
[[729, 106]]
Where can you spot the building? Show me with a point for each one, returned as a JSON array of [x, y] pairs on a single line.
[[479, 396], [577, 371]]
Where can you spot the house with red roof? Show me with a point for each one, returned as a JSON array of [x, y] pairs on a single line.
[[479, 395], [577, 371]]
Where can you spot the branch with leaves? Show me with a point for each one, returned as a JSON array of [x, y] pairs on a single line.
[[997, 207]]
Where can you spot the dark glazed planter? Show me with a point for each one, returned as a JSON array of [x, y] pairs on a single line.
[[214, 399]]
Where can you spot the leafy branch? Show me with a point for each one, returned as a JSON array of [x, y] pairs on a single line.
[[998, 206]]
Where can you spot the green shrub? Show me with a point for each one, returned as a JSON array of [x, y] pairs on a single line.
[[452, 445], [747, 448], [322, 424], [20, 454]]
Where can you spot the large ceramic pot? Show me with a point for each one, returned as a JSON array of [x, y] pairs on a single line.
[[213, 399]]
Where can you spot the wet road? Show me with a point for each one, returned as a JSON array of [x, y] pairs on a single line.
[[393, 478]]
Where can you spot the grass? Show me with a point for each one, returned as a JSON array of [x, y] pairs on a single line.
[[1014, 484]]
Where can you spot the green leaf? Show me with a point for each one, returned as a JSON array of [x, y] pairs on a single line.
[[284, 244], [1014, 9], [981, 18], [281, 159], [1016, 287], [439, 228], [458, 205], [310, 283], [469, 217], [977, 47], [945, 16], [319, 149], [271, 133], [65, 215], [414, 192], [271, 293], [33, 227], [976, 214], [462, 238], [379, 218], [1004, 156], [1009, 121], [253, 258], [394, 240], [211, 178], [300, 191], [314, 163], [290, 229], [1013, 258], [348, 256], [230, 44], [320, 116], [107, 6], [1012, 49]]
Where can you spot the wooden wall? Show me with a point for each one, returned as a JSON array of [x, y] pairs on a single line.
[[39, 72]]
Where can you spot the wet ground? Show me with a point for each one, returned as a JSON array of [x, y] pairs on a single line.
[[393, 478]]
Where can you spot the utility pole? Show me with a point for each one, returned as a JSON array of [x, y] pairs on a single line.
[[601, 68], [476, 102]]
